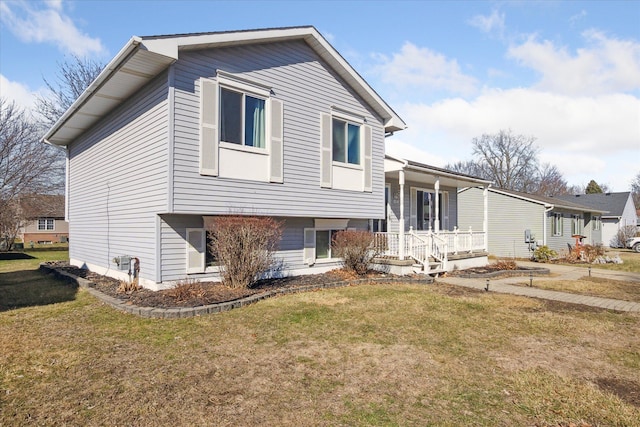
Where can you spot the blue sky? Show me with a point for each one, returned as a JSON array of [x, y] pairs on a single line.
[[567, 73]]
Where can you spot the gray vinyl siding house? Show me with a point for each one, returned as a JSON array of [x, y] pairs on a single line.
[[620, 212], [152, 156], [551, 222]]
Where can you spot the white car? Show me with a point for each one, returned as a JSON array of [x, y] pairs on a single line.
[[634, 244]]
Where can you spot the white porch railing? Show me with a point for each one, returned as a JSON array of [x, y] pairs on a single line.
[[461, 241], [424, 245]]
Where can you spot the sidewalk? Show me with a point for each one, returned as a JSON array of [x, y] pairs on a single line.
[[558, 272]]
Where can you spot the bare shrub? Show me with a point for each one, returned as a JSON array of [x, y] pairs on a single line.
[[356, 248], [583, 254], [125, 287], [506, 264], [623, 234], [186, 289], [244, 246]]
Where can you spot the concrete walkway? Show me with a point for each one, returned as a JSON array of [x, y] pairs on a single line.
[[558, 272]]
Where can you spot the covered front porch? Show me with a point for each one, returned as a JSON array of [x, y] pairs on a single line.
[[421, 218]]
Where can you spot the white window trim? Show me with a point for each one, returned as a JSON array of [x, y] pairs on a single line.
[[576, 224], [353, 119], [46, 224], [245, 89], [245, 148], [557, 224], [413, 206]]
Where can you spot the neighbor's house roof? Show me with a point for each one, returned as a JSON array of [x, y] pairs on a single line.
[[612, 203], [547, 201], [415, 169], [143, 58], [42, 206]]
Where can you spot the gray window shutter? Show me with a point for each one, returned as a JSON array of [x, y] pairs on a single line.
[[325, 152], [208, 127], [196, 250], [368, 147], [277, 146], [309, 246]]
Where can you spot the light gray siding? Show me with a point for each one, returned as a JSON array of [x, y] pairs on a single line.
[[118, 182], [290, 251], [307, 88], [509, 217]]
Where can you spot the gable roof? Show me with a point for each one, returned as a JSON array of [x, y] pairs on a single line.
[[547, 201], [143, 58], [612, 203]]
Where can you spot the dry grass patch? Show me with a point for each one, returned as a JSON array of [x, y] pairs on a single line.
[[630, 261], [592, 286], [362, 355]]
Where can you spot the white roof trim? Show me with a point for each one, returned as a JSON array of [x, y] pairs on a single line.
[[157, 53]]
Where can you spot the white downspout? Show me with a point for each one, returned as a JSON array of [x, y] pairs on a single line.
[[401, 222], [485, 219], [544, 225], [436, 220]]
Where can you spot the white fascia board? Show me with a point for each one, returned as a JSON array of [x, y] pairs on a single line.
[[392, 164], [104, 75], [318, 43], [517, 196]]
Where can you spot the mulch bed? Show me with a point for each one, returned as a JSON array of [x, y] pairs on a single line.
[[204, 293], [492, 270]]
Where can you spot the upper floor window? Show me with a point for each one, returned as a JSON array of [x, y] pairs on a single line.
[[242, 118], [241, 123], [346, 142], [45, 224]]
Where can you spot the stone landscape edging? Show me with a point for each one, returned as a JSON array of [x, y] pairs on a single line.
[[535, 271], [184, 312]]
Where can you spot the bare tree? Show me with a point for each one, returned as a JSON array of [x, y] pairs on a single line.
[[509, 160], [26, 164], [635, 190], [549, 181], [468, 167], [73, 77]]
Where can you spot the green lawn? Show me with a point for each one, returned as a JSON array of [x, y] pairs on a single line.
[[388, 355], [23, 285]]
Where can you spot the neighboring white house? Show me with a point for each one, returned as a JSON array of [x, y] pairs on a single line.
[[518, 222], [179, 129], [619, 207]]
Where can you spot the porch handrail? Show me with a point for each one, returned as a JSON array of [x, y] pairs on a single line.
[[459, 241]]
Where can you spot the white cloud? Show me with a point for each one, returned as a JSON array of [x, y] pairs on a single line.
[[488, 24], [48, 25], [578, 17], [17, 92], [421, 68], [574, 133], [605, 65]]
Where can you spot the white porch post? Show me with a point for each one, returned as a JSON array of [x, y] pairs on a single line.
[[485, 219], [436, 222], [401, 222]]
